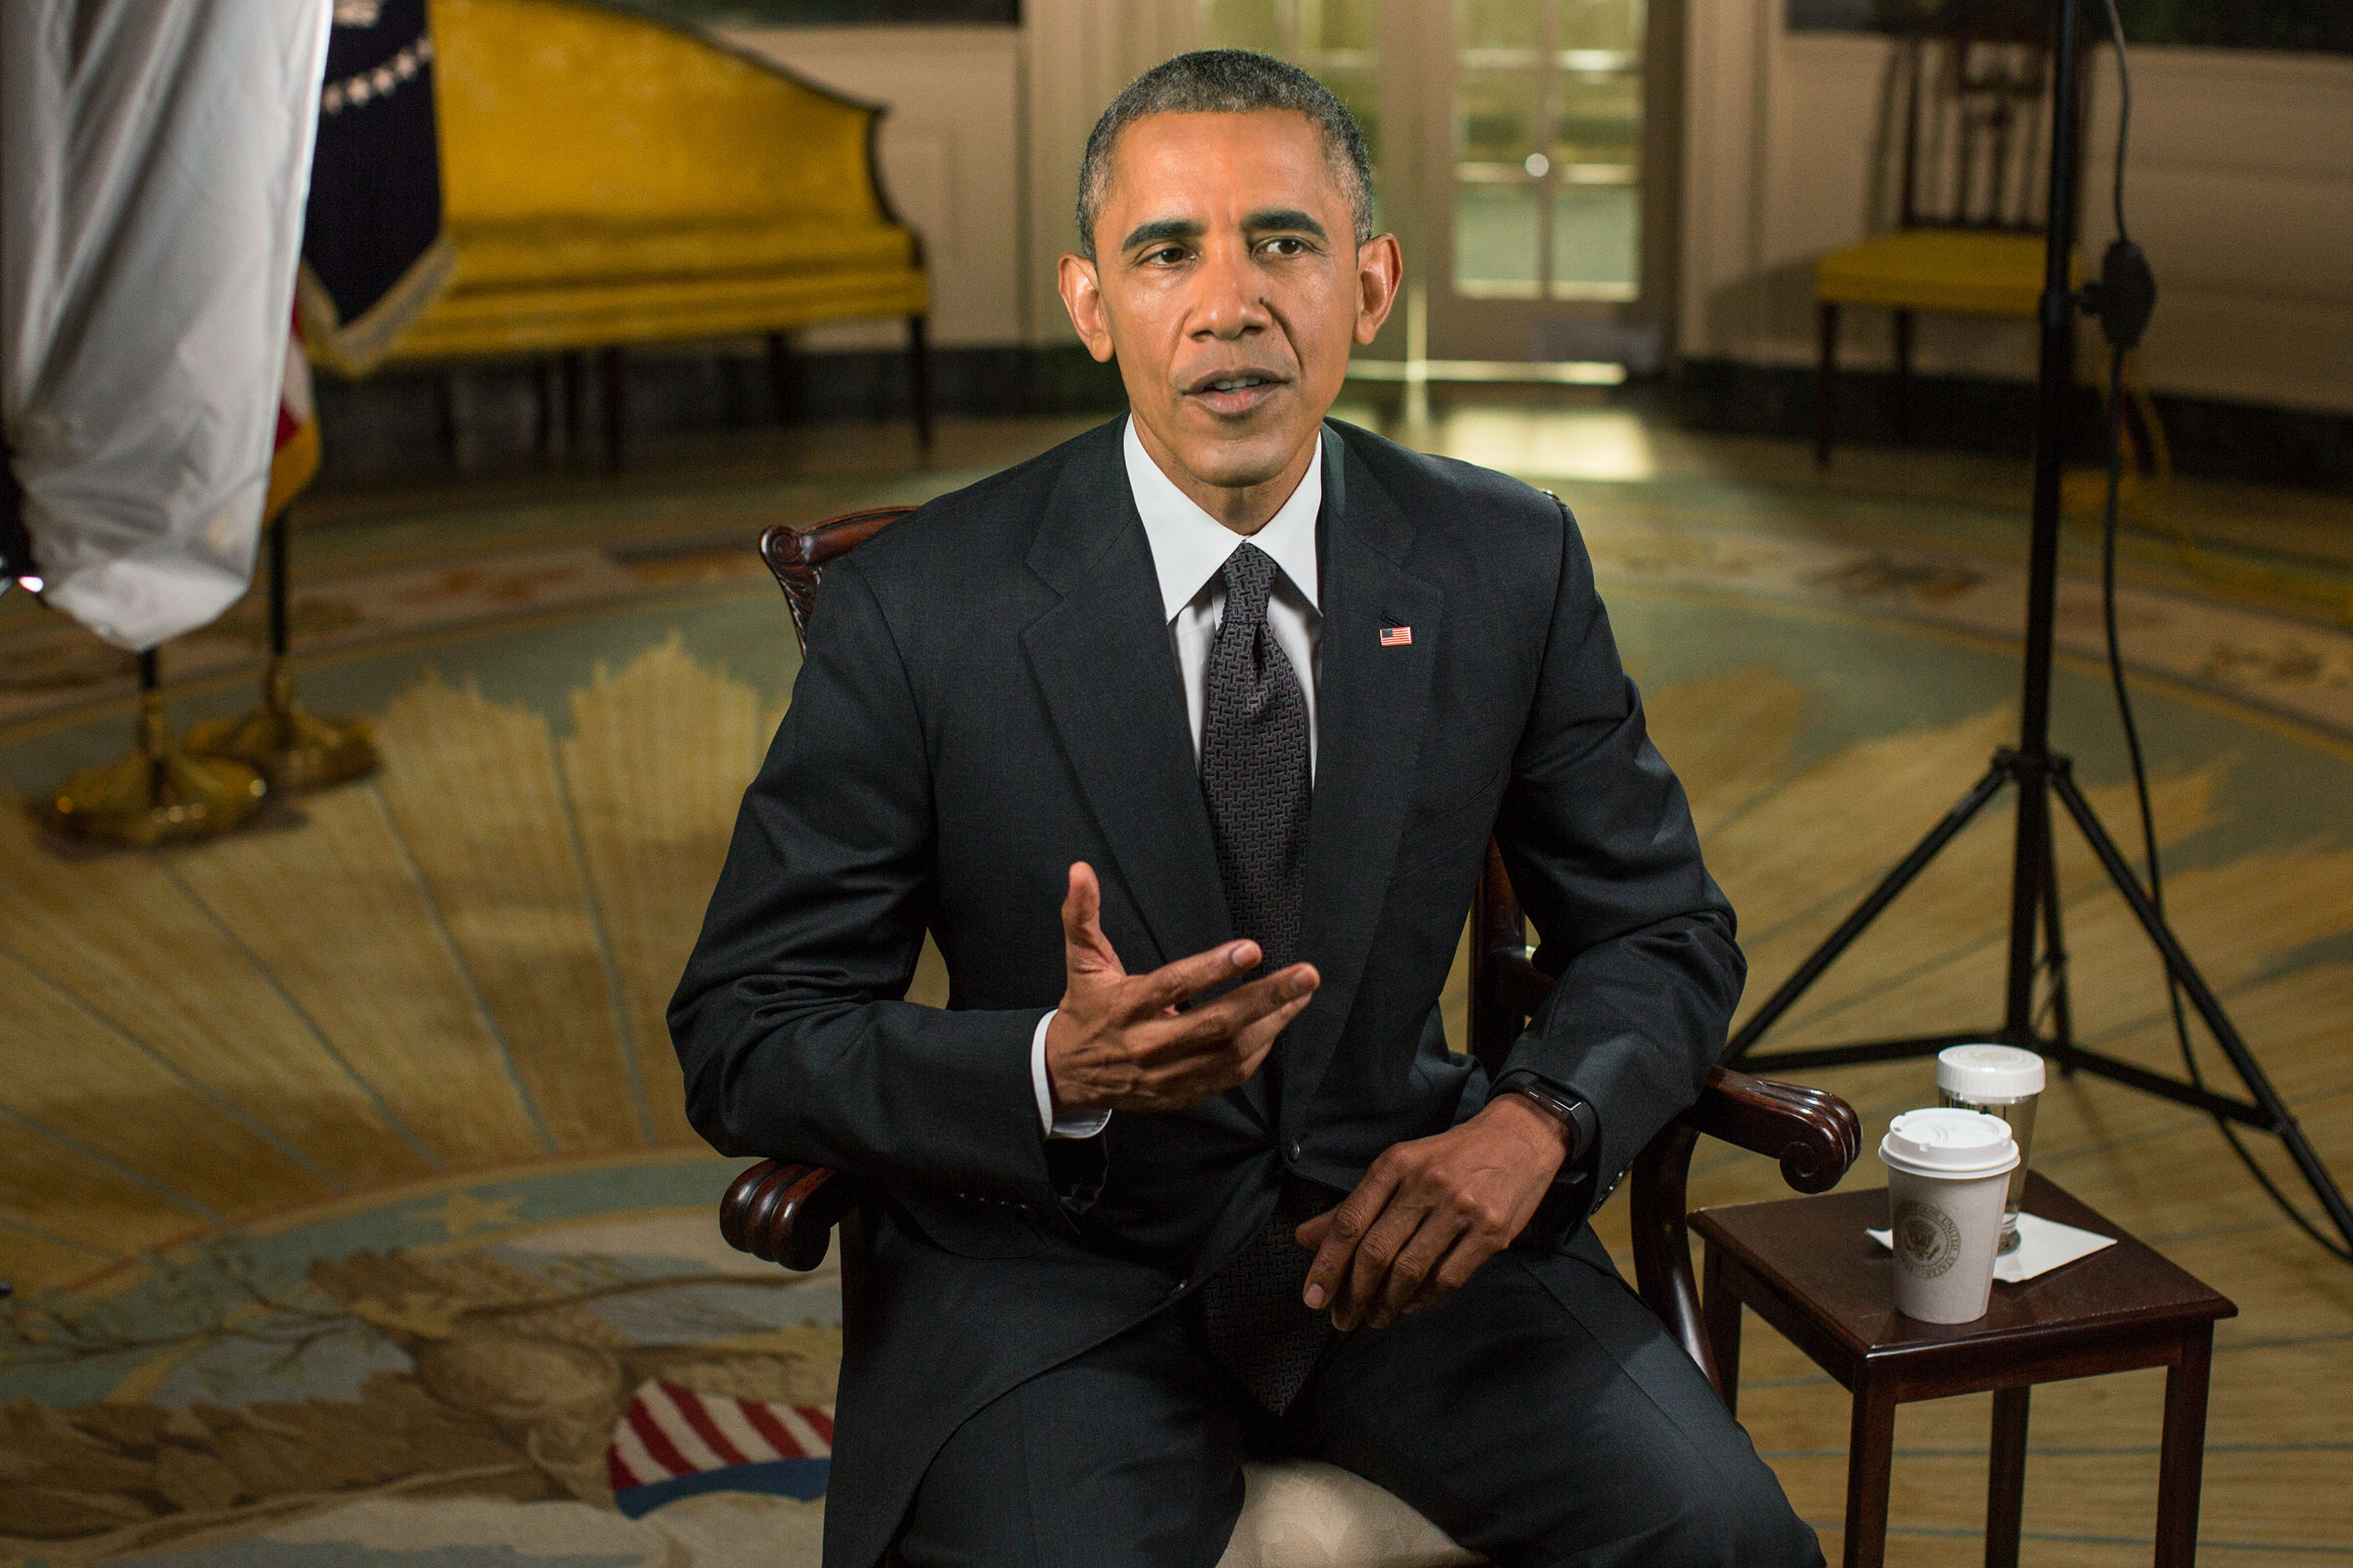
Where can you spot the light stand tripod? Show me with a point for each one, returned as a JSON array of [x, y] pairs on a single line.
[[2122, 300]]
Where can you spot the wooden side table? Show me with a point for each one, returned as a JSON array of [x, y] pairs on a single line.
[[1807, 1268]]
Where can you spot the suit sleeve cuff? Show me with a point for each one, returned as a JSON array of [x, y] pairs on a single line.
[[1083, 1124]]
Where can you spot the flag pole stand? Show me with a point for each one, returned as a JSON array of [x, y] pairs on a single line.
[[160, 793], [290, 747]]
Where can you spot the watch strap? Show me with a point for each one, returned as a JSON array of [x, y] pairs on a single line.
[[1569, 1110]]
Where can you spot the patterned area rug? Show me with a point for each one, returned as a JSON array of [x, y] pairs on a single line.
[[354, 1219]]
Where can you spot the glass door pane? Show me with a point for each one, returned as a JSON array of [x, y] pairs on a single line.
[[1595, 241], [1498, 196], [1596, 150], [1548, 131]]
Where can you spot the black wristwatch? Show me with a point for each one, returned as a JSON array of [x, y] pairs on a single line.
[[1570, 1111]]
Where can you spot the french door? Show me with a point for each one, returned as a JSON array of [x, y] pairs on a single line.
[[1524, 153]]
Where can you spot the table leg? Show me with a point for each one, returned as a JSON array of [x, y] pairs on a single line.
[[1720, 1311], [1871, 1451], [2182, 1460], [2006, 1478]]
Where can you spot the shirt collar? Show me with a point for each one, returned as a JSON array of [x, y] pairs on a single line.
[[1189, 546]]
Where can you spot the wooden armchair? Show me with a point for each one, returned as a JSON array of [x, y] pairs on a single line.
[[785, 1213]]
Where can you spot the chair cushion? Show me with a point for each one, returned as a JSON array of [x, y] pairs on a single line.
[[1953, 269], [526, 319], [1300, 1513], [550, 253]]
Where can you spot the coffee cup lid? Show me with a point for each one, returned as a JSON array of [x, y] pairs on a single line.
[[1989, 1075], [1945, 1141]]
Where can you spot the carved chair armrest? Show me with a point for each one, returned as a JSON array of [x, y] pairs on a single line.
[[786, 1213], [797, 556], [1813, 1133]]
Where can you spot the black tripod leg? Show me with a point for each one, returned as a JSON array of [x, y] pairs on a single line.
[[2030, 881], [2054, 950], [2210, 1007], [1894, 882]]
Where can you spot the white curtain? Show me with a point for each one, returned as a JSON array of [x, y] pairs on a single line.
[[154, 157]]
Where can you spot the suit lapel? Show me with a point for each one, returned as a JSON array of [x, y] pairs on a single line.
[[1101, 659], [1372, 709]]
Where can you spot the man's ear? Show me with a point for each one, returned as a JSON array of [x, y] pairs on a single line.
[[1082, 292], [1380, 269]]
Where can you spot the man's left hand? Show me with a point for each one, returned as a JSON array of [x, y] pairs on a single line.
[[1428, 1213]]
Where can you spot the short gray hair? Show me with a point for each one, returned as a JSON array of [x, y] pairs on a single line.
[[1228, 81]]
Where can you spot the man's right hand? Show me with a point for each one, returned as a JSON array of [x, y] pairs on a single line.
[[1119, 1042]]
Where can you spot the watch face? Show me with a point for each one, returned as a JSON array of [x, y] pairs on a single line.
[[1556, 1108]]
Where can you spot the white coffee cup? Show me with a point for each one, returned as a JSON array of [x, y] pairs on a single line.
[[1947, 1172]]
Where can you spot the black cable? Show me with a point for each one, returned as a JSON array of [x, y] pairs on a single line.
[[2117, 672], [2124, 116]]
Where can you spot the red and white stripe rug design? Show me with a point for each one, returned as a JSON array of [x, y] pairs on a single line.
[[681, 1441]]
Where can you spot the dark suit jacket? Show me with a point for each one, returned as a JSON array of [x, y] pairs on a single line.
[[989, 694]]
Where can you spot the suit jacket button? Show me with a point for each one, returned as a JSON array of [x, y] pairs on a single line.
[[1296, 1148]]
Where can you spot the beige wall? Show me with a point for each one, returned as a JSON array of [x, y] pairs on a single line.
[[2241, 189], [980, 148], [950, 154]]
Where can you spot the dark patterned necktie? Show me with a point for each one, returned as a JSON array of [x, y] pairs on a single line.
[[1257, 1326], [1256, 779], [1254, 768]]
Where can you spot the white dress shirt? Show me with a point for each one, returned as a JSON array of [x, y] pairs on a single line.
[[1189, 548]]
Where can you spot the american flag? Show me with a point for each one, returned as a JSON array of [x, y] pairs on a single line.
[[1397, 637], [673, 1442], [295, 458]]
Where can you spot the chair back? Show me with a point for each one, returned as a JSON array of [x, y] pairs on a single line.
[[1975, 83], [799, 555]]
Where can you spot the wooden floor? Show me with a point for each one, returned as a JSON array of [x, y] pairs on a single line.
[[461, 964]]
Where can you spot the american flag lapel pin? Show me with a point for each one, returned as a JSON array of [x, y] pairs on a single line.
[[1397, 637]]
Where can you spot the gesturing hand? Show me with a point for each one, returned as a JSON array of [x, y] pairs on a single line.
[[1428, 1213], [1119, 1041]]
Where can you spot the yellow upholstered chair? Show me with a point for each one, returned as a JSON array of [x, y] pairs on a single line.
[[1969, 232], [609, 179]]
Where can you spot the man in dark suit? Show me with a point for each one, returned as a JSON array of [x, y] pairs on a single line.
[[1190, 1173]]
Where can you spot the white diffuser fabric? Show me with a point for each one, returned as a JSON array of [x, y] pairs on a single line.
[[154, 158]]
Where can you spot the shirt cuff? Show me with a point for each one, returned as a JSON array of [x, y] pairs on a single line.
[[1083, 1124]]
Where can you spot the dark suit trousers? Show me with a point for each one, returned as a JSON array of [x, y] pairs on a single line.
[[1541, 1415]]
